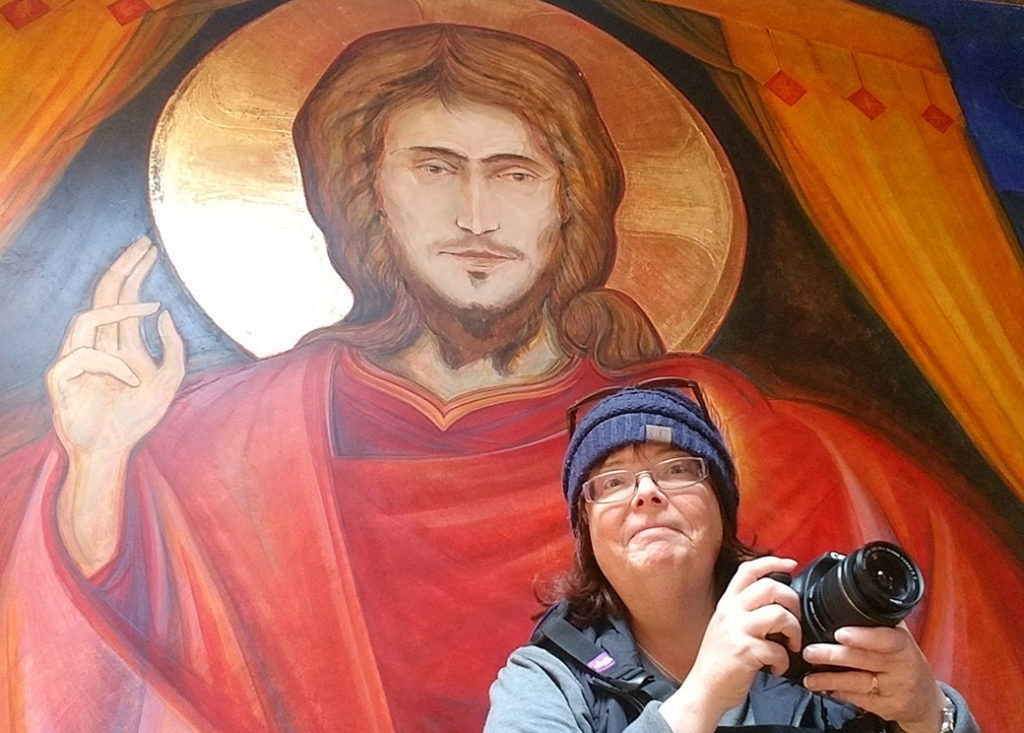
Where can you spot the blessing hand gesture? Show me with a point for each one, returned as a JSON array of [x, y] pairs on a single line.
[[106, 390]]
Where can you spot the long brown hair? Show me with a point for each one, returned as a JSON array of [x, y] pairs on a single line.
[[339, 137]]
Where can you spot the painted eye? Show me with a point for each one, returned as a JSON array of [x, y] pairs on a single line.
[[518, 176], [434, 168]]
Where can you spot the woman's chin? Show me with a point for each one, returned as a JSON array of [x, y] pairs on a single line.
[[653, 554]]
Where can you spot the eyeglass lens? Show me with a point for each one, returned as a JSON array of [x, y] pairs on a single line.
[[670, 475]]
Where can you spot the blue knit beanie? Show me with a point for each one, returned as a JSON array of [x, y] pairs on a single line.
[[637, 415]]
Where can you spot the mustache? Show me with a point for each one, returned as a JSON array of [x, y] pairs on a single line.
[[475, 245]]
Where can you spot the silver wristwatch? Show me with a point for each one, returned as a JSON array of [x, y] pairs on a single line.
[[948, 715]]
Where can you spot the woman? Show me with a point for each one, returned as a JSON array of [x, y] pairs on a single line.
[[665, 606]]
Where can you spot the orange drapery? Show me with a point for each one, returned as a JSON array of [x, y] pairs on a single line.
[[64, 68], [856, 108]]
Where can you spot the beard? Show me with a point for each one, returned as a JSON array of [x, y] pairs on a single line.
[[469, 333], [504, 334]]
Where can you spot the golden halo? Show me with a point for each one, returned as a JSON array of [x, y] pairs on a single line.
[[228, 202]]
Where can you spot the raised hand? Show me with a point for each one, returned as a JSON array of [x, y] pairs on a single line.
[[106, 391]]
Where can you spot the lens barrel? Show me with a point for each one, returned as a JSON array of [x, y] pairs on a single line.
[[876, 585]]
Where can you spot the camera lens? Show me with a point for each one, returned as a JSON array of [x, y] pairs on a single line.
[[877, 585], [887, 577]]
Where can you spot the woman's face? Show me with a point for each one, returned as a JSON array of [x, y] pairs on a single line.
[[655, 532]]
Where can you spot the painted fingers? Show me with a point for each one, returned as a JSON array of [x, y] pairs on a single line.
[[106, 389]]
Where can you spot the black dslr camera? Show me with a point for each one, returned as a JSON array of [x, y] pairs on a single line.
[[876, 585]]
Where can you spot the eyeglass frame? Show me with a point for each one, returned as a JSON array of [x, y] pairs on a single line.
[[705, 472], [655, 383]]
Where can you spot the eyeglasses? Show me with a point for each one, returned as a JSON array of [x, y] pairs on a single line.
[[582, 406], [673, 474]]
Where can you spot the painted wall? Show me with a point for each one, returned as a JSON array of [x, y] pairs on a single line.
[[802, 208]]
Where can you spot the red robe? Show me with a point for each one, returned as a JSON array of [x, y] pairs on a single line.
[[312, 544]]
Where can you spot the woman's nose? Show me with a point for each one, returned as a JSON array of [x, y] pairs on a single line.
[[646, 490]]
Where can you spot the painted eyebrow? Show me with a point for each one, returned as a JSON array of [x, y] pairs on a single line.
[[448, 153]]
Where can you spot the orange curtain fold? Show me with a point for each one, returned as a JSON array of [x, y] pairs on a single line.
[[857, 110], [64, 72]]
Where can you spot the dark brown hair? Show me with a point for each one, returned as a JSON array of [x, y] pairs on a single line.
[[339, 137]]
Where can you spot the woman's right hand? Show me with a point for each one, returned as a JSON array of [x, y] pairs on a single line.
[[105, 389], [736, 646]]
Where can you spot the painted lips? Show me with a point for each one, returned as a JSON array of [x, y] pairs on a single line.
[[481, 258]]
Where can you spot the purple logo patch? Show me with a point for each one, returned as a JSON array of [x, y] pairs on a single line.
[[601, 662]]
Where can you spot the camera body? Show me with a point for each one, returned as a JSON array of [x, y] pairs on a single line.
[[876, 585]]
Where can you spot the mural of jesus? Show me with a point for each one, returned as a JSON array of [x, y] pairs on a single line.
[[351, 531]]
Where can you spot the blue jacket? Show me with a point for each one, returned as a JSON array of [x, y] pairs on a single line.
[[540, 689]]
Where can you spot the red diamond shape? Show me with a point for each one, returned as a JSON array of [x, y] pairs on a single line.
[[867, 103], [938, 119], [786, 88], [125, 11], [22, 12]]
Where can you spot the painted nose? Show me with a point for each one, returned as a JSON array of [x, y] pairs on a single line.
[[477, 211]]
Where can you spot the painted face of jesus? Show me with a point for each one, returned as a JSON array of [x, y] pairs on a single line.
[[471, 200]]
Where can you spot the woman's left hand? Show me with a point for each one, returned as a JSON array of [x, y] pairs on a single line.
[[887, 674]]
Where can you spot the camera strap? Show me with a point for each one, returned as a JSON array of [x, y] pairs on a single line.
[[633, 685]]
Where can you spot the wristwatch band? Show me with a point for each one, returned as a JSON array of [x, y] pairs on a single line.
[[948, 715]]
